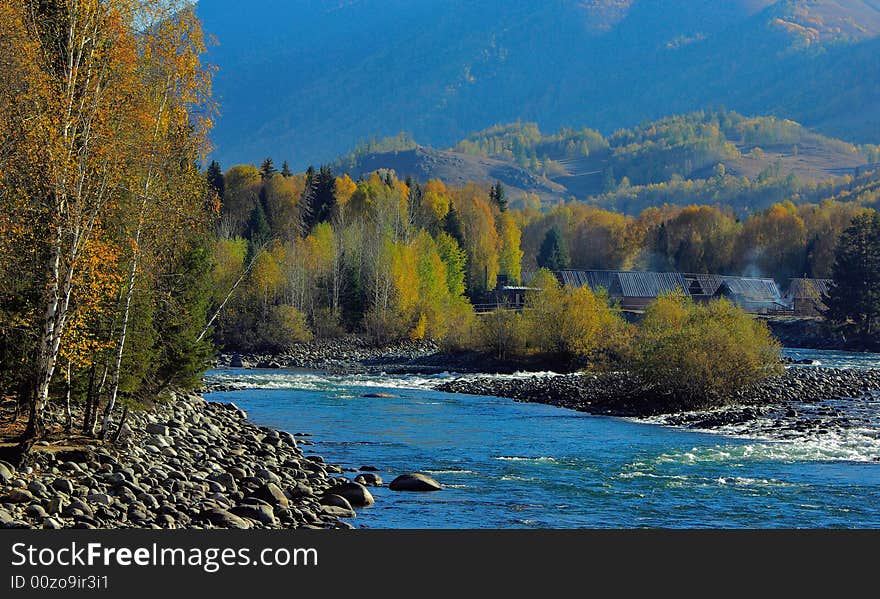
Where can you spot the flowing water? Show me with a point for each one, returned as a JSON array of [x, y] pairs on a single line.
[[505, 464]]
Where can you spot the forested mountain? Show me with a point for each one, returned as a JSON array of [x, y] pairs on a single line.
[[706, 157], [304, 80]]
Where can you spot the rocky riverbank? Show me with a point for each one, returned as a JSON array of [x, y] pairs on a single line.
[[798, 400], [188, 463], [818, 333], [343, 354], [356, 355]]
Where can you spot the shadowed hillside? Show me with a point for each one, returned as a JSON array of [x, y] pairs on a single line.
[[305, 79]]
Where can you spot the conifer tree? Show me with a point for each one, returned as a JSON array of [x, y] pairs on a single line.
[[323, 200], [258, 226], [307, 200], [452, 225], [216, 180], [267, 169], [553, 255], [855, 294], [498, 196], [285, 170]]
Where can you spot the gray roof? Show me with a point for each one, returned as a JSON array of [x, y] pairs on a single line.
[[808, 288], [625, 283], [753, 290], [649, 284], [594, 279], [709, 283]]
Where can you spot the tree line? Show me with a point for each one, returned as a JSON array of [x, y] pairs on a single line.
[[324, 254], [784, 241]]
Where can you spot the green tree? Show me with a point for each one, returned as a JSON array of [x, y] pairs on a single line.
[[452, 225], [498, 196], [323, 198], [855, 295], [267, 169], [609, 183], [258, 226], [285, 170], [216, 180], [553, 255], [307, 200]]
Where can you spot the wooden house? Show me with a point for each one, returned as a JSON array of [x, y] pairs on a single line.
[[807, 296]]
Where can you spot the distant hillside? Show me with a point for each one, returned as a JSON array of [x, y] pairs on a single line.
[[719, 147], [457, 169], [303, 80]]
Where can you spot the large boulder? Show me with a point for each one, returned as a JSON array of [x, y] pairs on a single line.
[[334, 500], [369, 479], [414, 481], [355, 493], [64, 485], [337, 512], [259, 512]]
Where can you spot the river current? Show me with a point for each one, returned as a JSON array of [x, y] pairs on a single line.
[[505, 464]]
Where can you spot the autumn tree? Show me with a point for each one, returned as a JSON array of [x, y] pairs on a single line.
[[113, 129], [700, 354], [773, 243]]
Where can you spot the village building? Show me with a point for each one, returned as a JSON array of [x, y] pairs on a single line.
[[635, 290], [632, 290], [757, 296], [807, 296]]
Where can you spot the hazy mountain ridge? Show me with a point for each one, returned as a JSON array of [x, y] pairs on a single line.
[[304, 80], [585, 165]]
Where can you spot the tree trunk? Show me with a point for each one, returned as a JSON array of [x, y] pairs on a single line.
[[53, 326], [90, 394], [121, 424], [68, 423], [120, 349]]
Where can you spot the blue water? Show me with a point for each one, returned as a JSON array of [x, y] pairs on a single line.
[[510, 465]]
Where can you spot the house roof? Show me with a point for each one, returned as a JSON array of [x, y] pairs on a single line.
[[649, 284], [754, 290], [594, 279], [708, 283], [625, 283], [808, 288]]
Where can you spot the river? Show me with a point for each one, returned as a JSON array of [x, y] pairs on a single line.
[[505, 464]]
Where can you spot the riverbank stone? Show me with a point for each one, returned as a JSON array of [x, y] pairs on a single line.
[[355, 493], [369, 479], [414, 481]]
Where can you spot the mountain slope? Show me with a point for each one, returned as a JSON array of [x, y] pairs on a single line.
[[304, 80], [660, 157]]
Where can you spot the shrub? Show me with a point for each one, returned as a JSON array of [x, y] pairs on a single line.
[[702, 353], [285, 326], [503, 333], [463, 328], [570, 322]]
